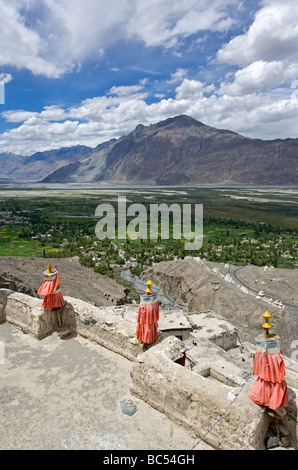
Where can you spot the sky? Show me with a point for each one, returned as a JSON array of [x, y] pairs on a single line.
[[86, 71]]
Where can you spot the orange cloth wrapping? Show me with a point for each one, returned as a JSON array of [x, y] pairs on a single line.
[[270, 367], [270, 388], [147, 318], [51, 290], [269, 394], [147, 333]]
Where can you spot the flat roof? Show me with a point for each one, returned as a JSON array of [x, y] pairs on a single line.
[[173, 320], [69, 394]]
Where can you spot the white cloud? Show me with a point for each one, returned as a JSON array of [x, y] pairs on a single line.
[[273, 36], [17, 115], [52, 37], [192, 89], [189, 89], [82, 29], [5, 78], [101, 118], [125, 90], [249, 100], [21, 46], [177, 76], [49, 113], [267, 53], [259, 75], [165, 23]]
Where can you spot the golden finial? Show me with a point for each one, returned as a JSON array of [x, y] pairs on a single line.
[[149, 284], [266, 325], [49, 268]]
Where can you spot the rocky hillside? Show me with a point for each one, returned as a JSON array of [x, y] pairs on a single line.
[[25, 275], [203, 286], [37, 166], [182, 150]]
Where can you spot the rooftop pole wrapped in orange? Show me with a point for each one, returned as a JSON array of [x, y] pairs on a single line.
[[270, 388], [148, 316], [50, 288]]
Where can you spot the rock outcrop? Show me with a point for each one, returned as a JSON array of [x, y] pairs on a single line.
[[203, 285], [25, 275]]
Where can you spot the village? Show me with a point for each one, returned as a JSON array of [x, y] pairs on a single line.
[[224, 241]]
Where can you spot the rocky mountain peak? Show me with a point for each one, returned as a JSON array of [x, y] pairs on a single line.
[[179, 150]]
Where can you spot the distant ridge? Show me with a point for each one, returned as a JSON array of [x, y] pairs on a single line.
[[40, 164], [181, 151], [176, 151]]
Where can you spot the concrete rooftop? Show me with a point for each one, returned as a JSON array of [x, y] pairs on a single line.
[[67, 394]]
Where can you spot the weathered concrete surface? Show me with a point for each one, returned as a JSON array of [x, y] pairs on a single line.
[[208, 359], [25, 275], [175, 322], [211, 326], [194, 396], [203, 285], [189, 398], [26, 313], [67, 394], [103, 325]]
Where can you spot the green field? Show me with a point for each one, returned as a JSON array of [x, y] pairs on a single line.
[[12, 244], [241, 225]]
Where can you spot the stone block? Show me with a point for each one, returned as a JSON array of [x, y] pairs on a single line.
[[196, 402], [216, 329]]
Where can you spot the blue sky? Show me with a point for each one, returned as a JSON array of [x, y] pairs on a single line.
[[85, 71]]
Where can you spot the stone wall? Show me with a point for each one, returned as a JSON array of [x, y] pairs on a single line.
[[192, 401], [26, 313], [103, 325]]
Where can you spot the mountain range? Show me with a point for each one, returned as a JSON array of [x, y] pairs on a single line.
[[37, 166], [177, 151]]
